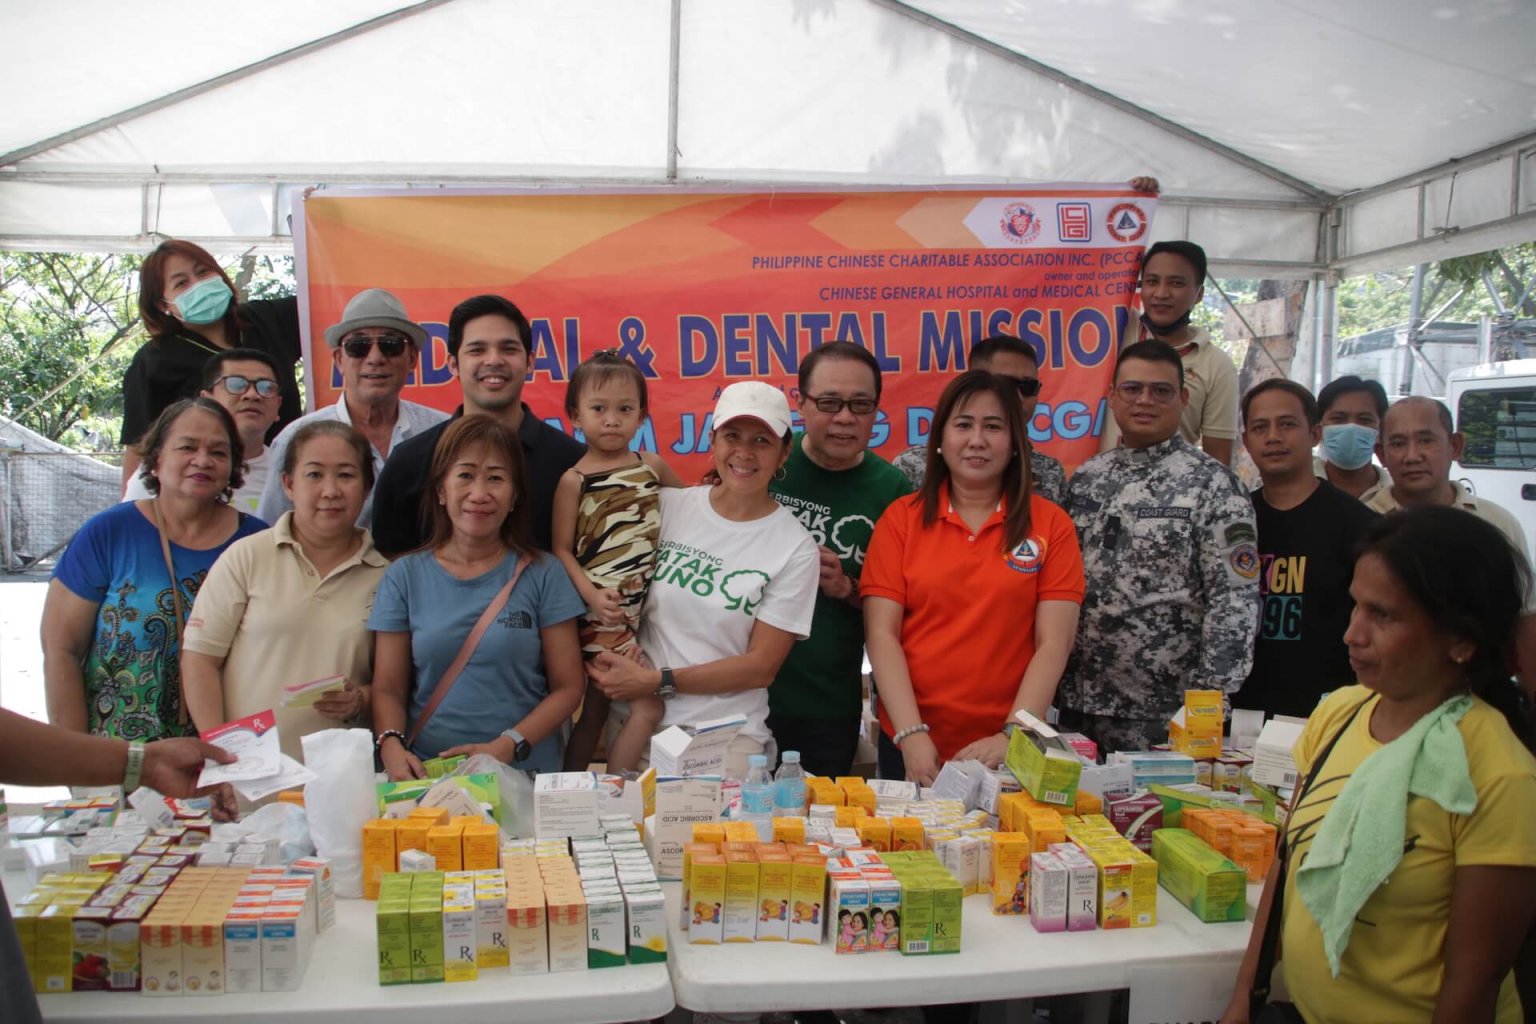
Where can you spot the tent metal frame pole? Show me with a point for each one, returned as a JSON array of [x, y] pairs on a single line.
[[1093, 92], [207, 85], [674, 69], [1346, 265], [1522, 147]]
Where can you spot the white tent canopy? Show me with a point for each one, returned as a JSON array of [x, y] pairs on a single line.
[[1292, 139]]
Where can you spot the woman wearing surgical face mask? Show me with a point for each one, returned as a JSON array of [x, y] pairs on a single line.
[[1351, 410], [191, 312]]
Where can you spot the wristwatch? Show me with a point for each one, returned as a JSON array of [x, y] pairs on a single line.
[[668, 687], [520, 746], [1009, 728]]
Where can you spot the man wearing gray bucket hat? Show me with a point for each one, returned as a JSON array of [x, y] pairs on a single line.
[[375, 346]]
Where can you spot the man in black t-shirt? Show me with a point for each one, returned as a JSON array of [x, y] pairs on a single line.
[[1308, 531], [488, 350]]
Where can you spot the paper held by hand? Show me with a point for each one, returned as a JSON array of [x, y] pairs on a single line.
[[254, 742], [306, 695]]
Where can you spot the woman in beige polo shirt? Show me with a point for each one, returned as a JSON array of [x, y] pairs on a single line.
[[291, 605]]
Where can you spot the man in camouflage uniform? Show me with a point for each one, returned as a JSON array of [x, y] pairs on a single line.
[[1007, 357], [1172, 565]]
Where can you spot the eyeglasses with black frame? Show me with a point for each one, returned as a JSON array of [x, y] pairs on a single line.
[[1029, 387], [832, 404], [390, 345], [1160, 392], [235, 384]]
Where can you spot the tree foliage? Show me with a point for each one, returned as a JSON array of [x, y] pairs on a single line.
[[65, 323], [69, 326], [1460, 290]]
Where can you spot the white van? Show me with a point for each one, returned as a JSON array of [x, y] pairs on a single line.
[[1494, 406]]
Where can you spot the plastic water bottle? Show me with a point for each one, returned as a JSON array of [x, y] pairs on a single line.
[[789, 787], [757, 797]]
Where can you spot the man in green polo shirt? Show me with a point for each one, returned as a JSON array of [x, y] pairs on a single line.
[[837, 488]]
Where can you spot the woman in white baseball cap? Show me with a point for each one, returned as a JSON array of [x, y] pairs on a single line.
[[735, 583]]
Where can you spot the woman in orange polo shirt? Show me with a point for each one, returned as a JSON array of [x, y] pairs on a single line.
[[971, 590]]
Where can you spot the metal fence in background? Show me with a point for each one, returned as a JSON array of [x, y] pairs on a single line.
[[45, 496]]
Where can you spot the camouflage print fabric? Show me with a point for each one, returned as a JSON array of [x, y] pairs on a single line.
[[1172, 564], [1112, 734], [1049, 476]]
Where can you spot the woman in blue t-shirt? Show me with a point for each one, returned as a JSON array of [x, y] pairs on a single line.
[[112, 621], [521, 677]]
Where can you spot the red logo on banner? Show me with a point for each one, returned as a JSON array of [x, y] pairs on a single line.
[[1075, 222], [1020, 225], [1127, 222]]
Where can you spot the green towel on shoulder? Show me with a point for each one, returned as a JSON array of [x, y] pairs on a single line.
[[1360, 841]]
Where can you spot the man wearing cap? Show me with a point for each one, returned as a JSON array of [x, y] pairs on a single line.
[[375, 347], [488, 353]]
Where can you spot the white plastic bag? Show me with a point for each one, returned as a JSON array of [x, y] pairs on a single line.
[[340, 801], [288, 822], [516, 793]]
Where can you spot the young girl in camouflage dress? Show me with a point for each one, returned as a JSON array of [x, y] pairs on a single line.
[[607, 519]]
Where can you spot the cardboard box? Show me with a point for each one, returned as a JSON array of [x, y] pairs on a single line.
[[706, 895], [566, 911], [681, 805], [527, 932], [1136, 817], [697, 750], [1010, 872], [565, 804], [460, 938], [1210, 885], [807, 900], [1273, 764], [848, 905], [380, 856], [606, 930], [775, 884], [1047, 767], [285, 942], [1049, 882]]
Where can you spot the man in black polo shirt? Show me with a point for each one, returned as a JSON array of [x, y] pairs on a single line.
[[488, 352]]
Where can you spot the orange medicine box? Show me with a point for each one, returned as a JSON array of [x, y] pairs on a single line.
[[434, 815], [741, 884], [380, 855], [412, 834], [446, 844], [481, 846], [874, 833], [706, 897], [1010, 872]]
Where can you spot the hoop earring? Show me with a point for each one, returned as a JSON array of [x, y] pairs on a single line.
[[780, 475]]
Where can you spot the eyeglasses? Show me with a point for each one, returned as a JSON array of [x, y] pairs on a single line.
[[834, 405], [1132, 390], [235, 384], [390, 345], [1029, 387]]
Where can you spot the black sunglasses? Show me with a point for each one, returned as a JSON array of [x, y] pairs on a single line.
[[1029, 387], [235, 384], [389, 346]]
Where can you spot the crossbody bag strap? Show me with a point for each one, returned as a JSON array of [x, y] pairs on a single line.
[[183, 715], [1271, 941], [456, 667]]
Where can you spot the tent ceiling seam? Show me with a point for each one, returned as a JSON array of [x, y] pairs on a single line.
[[207, 85], [1109, 98]]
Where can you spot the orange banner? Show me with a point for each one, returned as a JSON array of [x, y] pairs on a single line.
[[701, 288]]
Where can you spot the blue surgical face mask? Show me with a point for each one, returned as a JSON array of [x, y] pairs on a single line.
[[205, 302], [1348, 445]]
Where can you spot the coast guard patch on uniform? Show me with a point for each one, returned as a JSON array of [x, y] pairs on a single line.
[[1028, 556], [1243, 559]]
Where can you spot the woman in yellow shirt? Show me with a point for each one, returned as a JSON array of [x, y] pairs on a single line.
[[1410, 857]]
